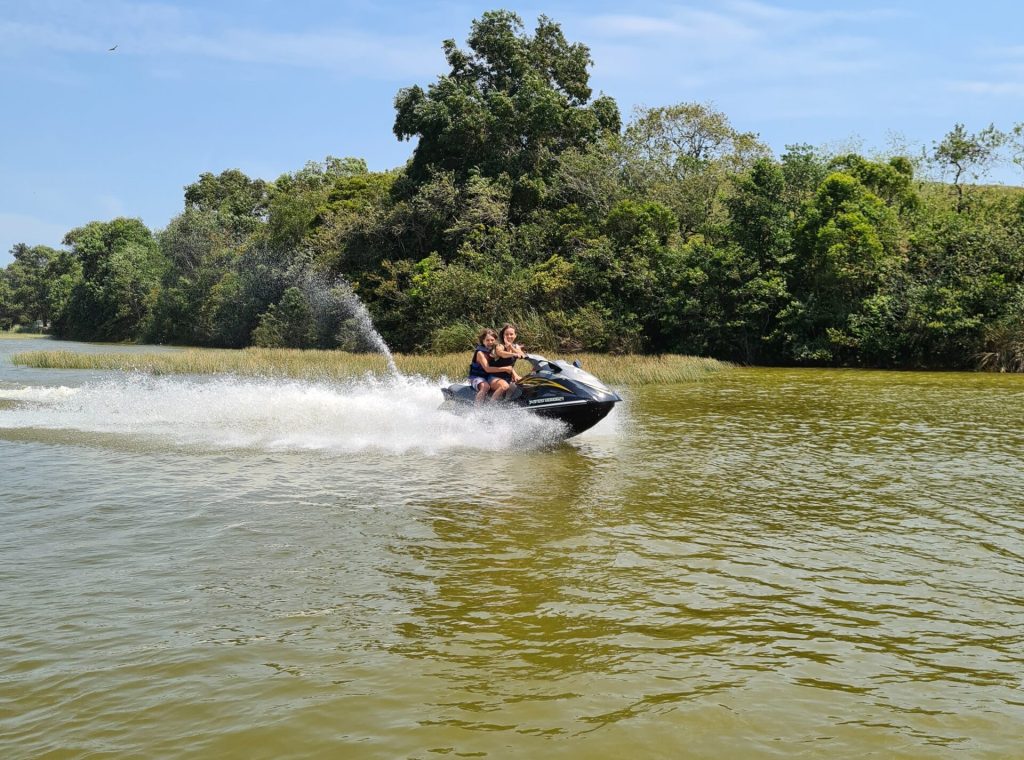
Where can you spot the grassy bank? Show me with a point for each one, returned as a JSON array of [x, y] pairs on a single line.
[[276, 362], [8, 335]]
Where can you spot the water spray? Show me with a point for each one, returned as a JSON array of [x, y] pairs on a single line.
[[336, 307]]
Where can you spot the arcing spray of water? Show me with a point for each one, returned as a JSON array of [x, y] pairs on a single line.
[[335, 306]]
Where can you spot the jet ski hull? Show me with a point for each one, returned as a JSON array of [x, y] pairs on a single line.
[[578, 417], [555, 390]]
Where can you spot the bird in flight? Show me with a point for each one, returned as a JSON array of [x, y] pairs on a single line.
[[111, 50]]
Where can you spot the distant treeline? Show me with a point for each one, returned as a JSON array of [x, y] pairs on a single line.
[[528, 199]]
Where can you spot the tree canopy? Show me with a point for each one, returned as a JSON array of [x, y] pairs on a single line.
[[527, 199], [509, 105]]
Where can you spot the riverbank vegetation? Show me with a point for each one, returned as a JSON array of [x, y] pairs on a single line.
[[320, 364], [529, 199], [19, 335]]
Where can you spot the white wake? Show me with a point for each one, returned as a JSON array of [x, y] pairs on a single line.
[[394, 415]]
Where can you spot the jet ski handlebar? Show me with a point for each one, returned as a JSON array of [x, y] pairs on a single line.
[[540, 363]]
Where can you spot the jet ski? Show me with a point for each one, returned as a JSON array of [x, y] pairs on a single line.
[[554, 389]]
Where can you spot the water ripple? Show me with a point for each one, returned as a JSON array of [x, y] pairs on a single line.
[[773, 563]]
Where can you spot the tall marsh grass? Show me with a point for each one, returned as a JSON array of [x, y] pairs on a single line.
[[1004, 349], [295, 363]]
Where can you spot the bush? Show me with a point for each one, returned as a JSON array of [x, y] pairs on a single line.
[[1004, 349], [460, 336], [288, 324]]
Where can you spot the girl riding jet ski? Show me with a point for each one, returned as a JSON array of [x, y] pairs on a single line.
[[553, 389]]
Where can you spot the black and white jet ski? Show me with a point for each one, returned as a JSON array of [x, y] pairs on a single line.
[[554, 389]]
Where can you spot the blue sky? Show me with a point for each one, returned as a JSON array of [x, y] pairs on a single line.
[[266, 86]]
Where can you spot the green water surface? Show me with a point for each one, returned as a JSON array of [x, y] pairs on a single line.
[[770, 563]]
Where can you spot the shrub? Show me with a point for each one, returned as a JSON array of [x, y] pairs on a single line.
[[460, 336], [1004, 349]]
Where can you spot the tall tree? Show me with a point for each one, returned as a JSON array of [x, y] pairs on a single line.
[[121, 271], [298, 199], [844, 248], [28, 278], [231, 193], [201, 248], [508, 106], [8, 307], [968, 156], [681, 155]]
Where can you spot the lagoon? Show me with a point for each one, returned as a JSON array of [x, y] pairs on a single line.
[[768, 562]]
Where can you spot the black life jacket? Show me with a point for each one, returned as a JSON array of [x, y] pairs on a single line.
[[507, 361]]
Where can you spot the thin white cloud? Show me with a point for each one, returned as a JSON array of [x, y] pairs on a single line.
[[998, 89], [733, 22], [681, 25], [744, 44], [16, 37], [332, 50], [163, 32], [761, 12]]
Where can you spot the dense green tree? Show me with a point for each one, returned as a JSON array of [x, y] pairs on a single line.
[[29, 279], [508, 106], [682, 156], [720, 303], [845, 247], [963, 273], [591, 179], [753, 279], [64, 273], [298, 200], [804, 168], [9, 311], [482, 290], [241, 200], [121, 272], [891, 181], [287, 324], [201, 248], [760, 215], [622, 270], [417, 223], [395, 304]]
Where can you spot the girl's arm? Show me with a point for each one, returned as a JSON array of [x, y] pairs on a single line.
[[517, 351], [496, 370], [481, 359]]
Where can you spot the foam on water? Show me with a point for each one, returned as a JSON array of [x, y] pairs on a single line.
[[37, 394], [397, 414]]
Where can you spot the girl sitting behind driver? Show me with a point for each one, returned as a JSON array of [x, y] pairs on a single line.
[[507, 352], [483, 376]]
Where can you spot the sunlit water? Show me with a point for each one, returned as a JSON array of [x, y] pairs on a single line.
[[771, 563]]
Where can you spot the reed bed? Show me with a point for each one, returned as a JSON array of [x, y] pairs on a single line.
[[1004, 349], [15, 335], [295, 363]]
